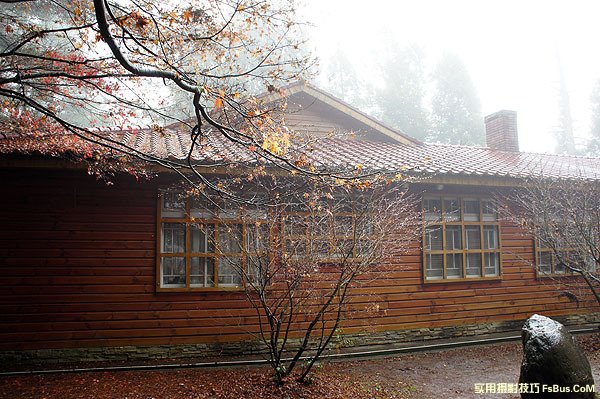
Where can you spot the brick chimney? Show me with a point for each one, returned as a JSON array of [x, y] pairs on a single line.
[[501, 131]]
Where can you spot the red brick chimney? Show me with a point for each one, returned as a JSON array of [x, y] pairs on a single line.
[[501, 131]]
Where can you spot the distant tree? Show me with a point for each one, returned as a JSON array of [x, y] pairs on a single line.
[[402, 97], [565, 141], [456, 111], [342, 81], [594, 144]]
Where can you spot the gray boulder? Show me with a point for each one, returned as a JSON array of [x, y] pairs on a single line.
[[554, 366]]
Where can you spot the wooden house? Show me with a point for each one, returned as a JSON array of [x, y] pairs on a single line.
[[85, 272]]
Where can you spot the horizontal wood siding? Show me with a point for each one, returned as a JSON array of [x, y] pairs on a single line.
[[77, 268]]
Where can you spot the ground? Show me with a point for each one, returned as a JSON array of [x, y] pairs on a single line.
[[444, 374]]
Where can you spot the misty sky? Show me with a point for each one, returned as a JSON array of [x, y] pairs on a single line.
[[510, 48]]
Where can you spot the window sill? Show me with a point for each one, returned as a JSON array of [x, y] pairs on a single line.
[[461, 280], [198, 289], [542, 276]]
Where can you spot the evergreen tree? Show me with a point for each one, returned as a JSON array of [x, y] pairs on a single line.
[[456, 111], [594, 145], [565, 142], [342, 81], [401, 99]]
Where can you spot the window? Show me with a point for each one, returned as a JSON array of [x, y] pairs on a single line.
[[339, 231], [200, 248], [551, 263], [461, 238]]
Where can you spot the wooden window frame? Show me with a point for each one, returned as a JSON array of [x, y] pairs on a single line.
[[309, 235], [189, 220], [443, 222], [538, 250]]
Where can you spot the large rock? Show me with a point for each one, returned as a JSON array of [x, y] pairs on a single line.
[[553, 363]]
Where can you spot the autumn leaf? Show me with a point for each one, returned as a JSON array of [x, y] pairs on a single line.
[[187, 15], [218, 103]]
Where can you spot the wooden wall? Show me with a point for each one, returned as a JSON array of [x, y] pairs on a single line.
[[77, 268]]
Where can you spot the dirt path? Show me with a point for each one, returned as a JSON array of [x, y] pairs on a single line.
[[446, 374]]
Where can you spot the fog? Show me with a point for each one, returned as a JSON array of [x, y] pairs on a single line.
[[511, 49]]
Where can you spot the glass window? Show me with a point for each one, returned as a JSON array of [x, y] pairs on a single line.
[[434, 266], [173, 238], [474, 264], [433, 209], [453, 237], [230, 238], [202, 272], [173, 271], [490, 237], [464, 242], [473, 237], [471, 210], [203, 238], [549, 262], [454, 265], [205, 253], [488, 210], [451, 209], [433, 238]]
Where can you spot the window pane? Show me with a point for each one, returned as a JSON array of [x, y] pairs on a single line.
[[560, 260], [258, 268], [471, 210], [203, 238], [364, 225], [201, 208], [202, 272], [474, 265], [433, 238], [491, 264], [344, 248], [365, 248], [343, 226], [322, 248], [433, 209], [453, 237], [490, 237], [257, 237], [320, 226], [454, 265], [473, 237], [172, 272], [434, 266], [489, 210], [230, 238], [295, 225], [451, 209], [229, 271], [172, 205], [173, 238], [545, 262], [296, 247]]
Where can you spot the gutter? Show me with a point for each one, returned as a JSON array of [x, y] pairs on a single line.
[[259, 362]]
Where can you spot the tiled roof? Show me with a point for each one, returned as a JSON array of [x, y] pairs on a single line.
[[456, 160], [437, 159]]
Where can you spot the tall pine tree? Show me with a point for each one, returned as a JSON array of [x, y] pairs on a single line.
[[594, 144], [456, 111], [401, 99], [565, 141], [342, 81]]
